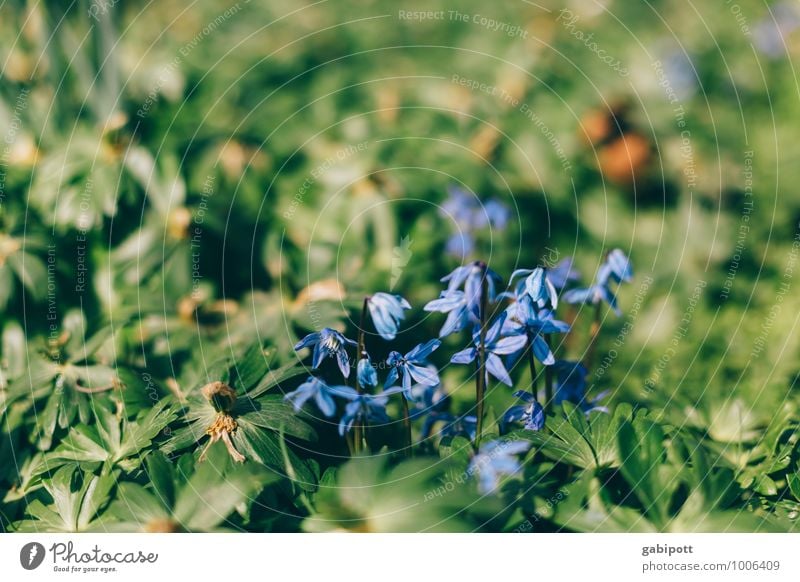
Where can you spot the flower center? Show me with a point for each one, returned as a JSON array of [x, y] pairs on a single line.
[[331, 343], [223, 423], [221, 429]]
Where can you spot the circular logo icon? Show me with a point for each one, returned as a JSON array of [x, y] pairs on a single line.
[[31, 555]]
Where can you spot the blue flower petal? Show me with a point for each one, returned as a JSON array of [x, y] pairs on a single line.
[[509, 345], [325, 403], [422, 351], [464, 356], [366, 373], [344, 363], [542, 351], [494, 365], [391, 378], [307, 341], [423, 374]]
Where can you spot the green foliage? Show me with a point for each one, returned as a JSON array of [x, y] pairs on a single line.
[[166, 224]]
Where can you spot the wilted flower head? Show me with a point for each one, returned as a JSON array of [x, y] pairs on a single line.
[[328, 342], [222, 428], [221, 396], [386, 311], [495, 459]]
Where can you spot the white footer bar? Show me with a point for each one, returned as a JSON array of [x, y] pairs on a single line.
[[410, 558]]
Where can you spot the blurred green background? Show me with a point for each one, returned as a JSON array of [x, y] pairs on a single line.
[[198, 175]]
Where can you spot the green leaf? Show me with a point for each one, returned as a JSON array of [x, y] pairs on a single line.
[[275, 378], [162, 477], [248, 370], [257, 444], [794, 484], [215, 489], [641, 451], [584, 509], [77, 497], [271, 412]]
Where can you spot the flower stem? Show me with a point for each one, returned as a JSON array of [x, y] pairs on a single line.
[[532, 365], [359, 431], [594, 331], [480, 379], [407, 449], [548, 378]]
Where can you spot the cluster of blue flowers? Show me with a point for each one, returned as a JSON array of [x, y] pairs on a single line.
[[500, 336], [471, 216]]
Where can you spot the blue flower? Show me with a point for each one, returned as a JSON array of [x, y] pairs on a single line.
[[495, 346], [386, 311], [366, 373], [413, 366], [328, 342], [495, 459], [524, 317], [615, 268], [531, 413], [363, 407], [592, 296], [771, 33], [460, 206], [466, 210], [537, 286], [562, 274], [466, 426], [428, 398], [496, 214], [454, 303], [460, 244], [680, 70], [464, 306], [571, 386], [431, 404], [471, 277], [316, 389]]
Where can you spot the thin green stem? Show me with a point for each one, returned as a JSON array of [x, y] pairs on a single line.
[[532, 366], [407, 449], [360, 433], [548, 377], [594, 332], [480, 379]]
